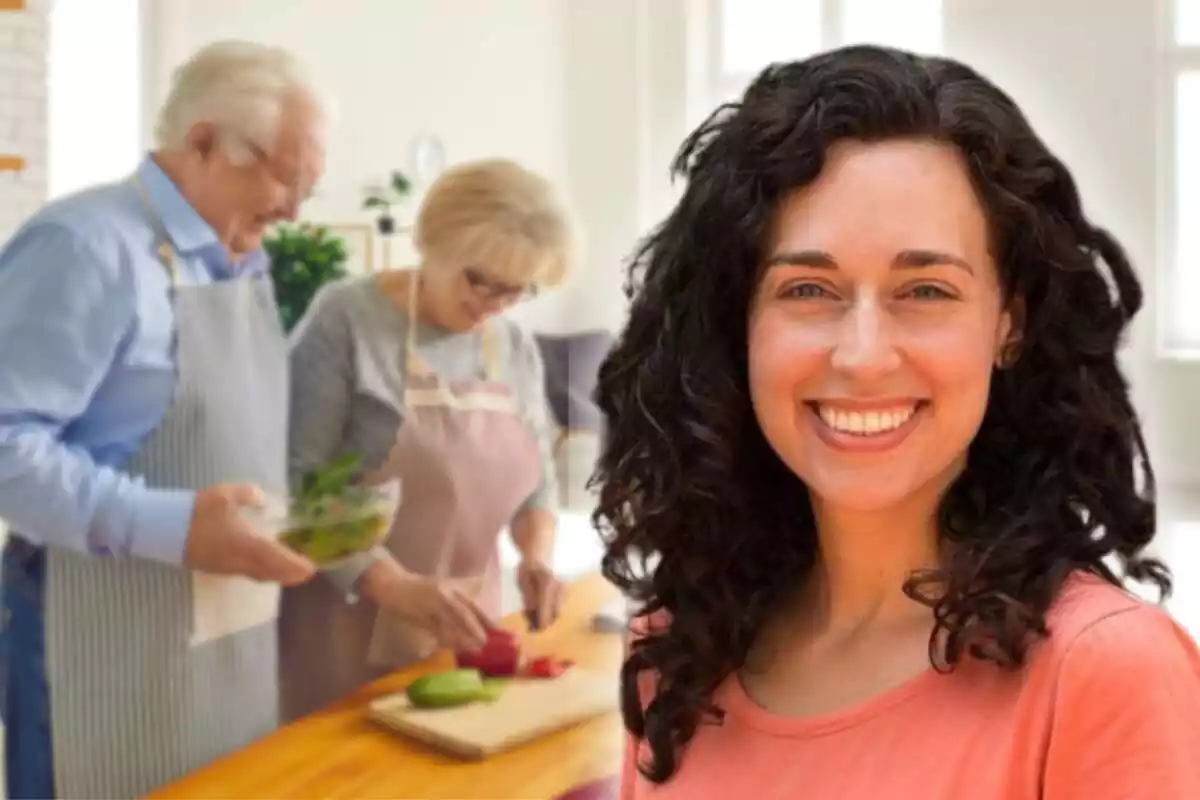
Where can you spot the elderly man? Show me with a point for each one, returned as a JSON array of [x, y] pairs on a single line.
[[143, 399]]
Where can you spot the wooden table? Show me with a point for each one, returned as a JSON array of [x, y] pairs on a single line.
[[339, 753]]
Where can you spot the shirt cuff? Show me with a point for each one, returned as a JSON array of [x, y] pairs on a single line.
[[160, 525]]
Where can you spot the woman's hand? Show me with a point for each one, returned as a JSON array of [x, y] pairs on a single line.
[[541, 592], [443, 607], [533, 534]]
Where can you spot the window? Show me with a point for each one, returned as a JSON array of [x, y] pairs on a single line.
[[911, 25], [756, 32], [94, 91], [747, 35], [1179, 323]]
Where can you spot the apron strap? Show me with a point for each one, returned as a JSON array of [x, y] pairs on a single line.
[[415, 365], [491, 355], [166, 253]]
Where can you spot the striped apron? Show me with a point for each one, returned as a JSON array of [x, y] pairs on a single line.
[[152, 670], [467, 462]]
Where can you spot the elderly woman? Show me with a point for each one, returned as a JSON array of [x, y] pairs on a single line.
[[414, 372], [867, 421]]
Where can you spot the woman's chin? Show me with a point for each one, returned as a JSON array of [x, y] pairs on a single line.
[[864, 501], [868, 491]]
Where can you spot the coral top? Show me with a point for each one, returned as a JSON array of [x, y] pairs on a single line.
[[1108, 707]]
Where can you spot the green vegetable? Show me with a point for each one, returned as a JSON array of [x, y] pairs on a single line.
[[492, 689], [331, 479], [454, 687], [334, 518]]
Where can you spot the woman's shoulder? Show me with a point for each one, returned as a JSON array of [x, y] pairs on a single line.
[[352, 306], [1088, 604], [343, 295], [1119, 681], [1102, 635]]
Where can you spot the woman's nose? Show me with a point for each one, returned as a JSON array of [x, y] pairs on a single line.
[[864, 344]]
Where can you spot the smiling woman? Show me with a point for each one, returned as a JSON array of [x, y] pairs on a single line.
[[888, 339], [866, 419]]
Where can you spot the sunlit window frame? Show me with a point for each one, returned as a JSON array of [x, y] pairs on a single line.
[[723, 85], [727, 85]]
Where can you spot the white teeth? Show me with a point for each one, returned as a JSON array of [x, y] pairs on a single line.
[[865, 423]]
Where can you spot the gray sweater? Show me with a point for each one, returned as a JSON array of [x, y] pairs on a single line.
[[347, 375]]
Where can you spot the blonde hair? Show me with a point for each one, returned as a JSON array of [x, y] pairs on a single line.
[[497, 216]]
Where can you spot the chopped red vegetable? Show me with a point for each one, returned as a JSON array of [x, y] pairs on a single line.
[[499, 658], [547, 667]]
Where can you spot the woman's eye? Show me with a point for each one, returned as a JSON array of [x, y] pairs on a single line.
[[928, 292], [807, 291]]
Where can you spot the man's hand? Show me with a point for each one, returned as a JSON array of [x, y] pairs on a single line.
[[222, 542], [540, 591]]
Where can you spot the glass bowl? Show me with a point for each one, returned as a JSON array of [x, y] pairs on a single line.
[[335, 528]]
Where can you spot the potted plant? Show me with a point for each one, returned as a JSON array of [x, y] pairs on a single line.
[[304, 258], [382, 198]]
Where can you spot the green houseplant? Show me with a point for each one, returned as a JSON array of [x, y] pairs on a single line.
[[382, 198], [304, 258]]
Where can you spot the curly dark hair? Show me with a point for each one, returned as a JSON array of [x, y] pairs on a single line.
[[687, 479]]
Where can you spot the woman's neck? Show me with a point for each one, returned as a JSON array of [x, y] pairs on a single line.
[[396, 286], [864, 559]]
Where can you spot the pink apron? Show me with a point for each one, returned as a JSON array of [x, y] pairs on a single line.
[[467, 462]]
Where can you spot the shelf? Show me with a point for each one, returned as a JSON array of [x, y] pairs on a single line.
[[11, 163], [12, 5]]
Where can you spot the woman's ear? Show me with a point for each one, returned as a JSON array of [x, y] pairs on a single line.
[[1009, 334]]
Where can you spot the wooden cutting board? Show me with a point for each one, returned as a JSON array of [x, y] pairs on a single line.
[[528, 709]]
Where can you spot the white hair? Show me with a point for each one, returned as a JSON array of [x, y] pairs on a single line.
[[239, 87]]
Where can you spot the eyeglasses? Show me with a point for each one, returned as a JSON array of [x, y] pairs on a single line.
[[289, 182], [495, 290]]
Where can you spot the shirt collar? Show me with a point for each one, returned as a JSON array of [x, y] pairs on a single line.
[[184, 226], [254, 264], [187, 230]]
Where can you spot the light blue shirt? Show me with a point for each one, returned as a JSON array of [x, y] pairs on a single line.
[[87, 365]]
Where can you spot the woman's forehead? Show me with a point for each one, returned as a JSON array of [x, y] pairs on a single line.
[[886, 196]]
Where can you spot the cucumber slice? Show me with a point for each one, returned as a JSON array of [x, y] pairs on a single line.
[[492, 689], [454, 687]]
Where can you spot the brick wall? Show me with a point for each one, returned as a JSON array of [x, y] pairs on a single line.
[[23, 111]]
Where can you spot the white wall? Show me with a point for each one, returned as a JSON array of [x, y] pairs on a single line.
[[95, 73], [23, 41]]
